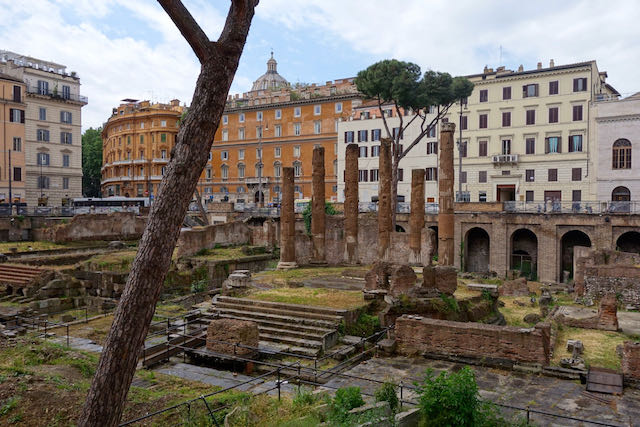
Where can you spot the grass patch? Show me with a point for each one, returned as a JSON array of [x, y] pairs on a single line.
[[514, 314], [599, 346], [332, 298], [119, 261], [219, 254], [41, 245], [278, 276]]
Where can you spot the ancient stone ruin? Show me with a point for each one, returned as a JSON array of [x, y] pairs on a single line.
[[318, 208], [287, 222], [351, 209], [233, 337]]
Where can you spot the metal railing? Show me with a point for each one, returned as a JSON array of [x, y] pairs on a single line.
[[66, 211], [57, 94], [557, 207]]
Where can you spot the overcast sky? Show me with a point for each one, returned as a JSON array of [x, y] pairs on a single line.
[[131, 49]]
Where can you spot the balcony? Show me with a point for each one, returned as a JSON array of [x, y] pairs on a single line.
[[253, 180], [504, 159], [55, 94]]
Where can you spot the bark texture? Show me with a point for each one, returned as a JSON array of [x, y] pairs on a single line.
[[317, 206], [219, 61], [351, 200], [445, 188], [287, 222], [416, 218], [384, 200]]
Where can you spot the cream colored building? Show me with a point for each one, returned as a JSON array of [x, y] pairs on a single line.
[[52, 149]]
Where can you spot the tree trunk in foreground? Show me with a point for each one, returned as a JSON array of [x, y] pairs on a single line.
[[107, 395]]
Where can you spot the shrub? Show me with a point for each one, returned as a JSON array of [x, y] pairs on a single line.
[[329, 209], [304, 398], [365, 325], [203, 252], [346, 399], [199, 286], [387, 393]]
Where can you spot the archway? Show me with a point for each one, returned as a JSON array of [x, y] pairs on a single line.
[[569, 240], [400, 229], [257, 196], [477, 245], [629, 242], [524, 253], [620, 198]]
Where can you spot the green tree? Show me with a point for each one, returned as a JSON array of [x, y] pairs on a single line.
[[402, 87], [91, 162]]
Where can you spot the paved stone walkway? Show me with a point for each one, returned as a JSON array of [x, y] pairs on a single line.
[[539, 392], [76, 343]]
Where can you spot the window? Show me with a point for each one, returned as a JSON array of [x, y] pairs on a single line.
[[576, 196], [432, 147], [141, 125], [463, 149], [163, 123], [317, 127], [531, 117], [43, 87], [482, 176], [225, 120], [348, 137], [297, 169], [65, 117], [552, 145], [483, 121], [506, 92], [580, 85], [17, 96], [241, 133], [576, 174], [277, 169], [317, 110], [278, 130], [258, 169], [365, 115], [278, 114], [241, 117], [463, 122], [530, 90], [484, 95], [507, 172], [363, 175], [65, 160], [362, 151], [553, 87], [530, 175], [362, 135], [163, 170], [431, 174], [553, 115], [43, 159], [17, 143], [296, 151], [375, 134], [552, 175], [575, 143], [530, 146], [621, 154], [258, 153], [482, 148], [297, 112], [577, 113], [277, 152], [506, 118], [65, 137], [225, 135], [224, 170], [338, 107], [506, 146], [374, 174], [43, 182], [163, 154], [42, 113], [432, 132], [463, 177], [258, 131], [375, 151], [529, 196], [128, 140], [142, 155], [482, 196], [259, 116], [296, 129], [16, 116], [241, 154], [224, 155], [43, 135], [400, 174], [17, 174], [396, 132]]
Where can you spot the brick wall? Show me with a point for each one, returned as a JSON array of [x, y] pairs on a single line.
[[112, 226], [631, 359], [474, 340], [230, 233]]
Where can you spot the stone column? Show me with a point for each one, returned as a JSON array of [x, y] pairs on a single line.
[[317, 206], [384, 199], [416, 218], [445, 188], [351, 204], [287, 222]]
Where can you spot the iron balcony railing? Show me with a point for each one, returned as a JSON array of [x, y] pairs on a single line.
[[57, 94], [556, 207]]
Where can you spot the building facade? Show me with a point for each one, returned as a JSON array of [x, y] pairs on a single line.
[[12, 137], [53, 136], [136, 146]]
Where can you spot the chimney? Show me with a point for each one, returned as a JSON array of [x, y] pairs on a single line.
[[520, 68], [539, 65], [175, 103], [551, 64], [486, 70]]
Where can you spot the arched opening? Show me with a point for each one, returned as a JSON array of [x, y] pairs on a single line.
[[620, 198], [621, 154], [477, 245], [629, 242], [434, 239], [524, 253], [569, 241], [258, 196], [399, 229]]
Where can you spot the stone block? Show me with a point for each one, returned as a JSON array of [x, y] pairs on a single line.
[[446, 279], [403, 278], [387, 346], [517, 287], [575, 347], [608, 313], [222, 334], [378, 277], [408, 418], [532, 318]]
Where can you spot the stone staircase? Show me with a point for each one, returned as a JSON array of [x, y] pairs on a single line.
[[20, 276], [298, 329]]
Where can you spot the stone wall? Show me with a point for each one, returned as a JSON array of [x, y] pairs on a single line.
[[417, 336], [230, 233], [631, 360], [112, 226]]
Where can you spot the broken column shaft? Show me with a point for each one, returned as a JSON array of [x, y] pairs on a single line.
[[445, 188], [416, 218], [317, 206], [287, 222], [351, 204], [384, 199]]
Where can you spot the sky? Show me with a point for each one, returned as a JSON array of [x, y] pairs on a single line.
[[131, 49]]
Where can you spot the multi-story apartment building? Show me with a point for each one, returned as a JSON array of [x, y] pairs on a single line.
[[273, 126], [12, 123], [136, 145], [52, 148], [618, 150]]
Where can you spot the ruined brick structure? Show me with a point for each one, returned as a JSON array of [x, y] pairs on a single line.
[[384, 199], [416, 218], [351, 204], [287, 222], [317, 206], [445, 189], [631, 360]]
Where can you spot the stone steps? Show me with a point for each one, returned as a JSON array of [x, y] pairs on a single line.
[[270, 346], [257, 316], [284, 325], [298, 342], [18, 274], [319, 312]]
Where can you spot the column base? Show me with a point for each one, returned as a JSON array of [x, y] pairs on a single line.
[[318, 263], [283, 265]]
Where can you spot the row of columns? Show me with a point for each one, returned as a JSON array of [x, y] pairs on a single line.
[[416, 219]]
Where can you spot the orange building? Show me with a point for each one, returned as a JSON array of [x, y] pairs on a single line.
[[136, 145], [12, 136], [276, 125]]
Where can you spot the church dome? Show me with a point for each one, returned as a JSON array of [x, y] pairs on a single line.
[[270, 80]]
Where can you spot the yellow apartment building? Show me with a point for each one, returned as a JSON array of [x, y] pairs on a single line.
[[12, 137]]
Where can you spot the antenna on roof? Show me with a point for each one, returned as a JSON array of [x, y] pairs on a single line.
[[500, 55]]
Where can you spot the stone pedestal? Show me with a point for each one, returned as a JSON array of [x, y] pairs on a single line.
[[416, 218], [384, 199], [287, 222], [351, 204], [317, 207], [608, 313], [445, 187]]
